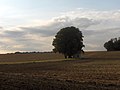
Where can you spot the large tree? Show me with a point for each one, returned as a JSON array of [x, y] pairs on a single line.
[[68, 41]]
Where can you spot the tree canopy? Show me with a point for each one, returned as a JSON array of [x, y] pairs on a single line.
[[113, 44], [68, 41]]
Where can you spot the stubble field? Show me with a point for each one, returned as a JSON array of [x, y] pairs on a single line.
[[49, 71]]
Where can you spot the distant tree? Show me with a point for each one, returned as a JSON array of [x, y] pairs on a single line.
[[117, 45], [109, 45], [68, 41], [17, 52], [113, 45]]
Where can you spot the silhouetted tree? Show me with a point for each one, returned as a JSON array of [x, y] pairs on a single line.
[[109, 45], [117, 45], [68, 41], [113, 45]]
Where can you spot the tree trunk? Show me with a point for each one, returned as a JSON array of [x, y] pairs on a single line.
[[65, 56], [69, 56]]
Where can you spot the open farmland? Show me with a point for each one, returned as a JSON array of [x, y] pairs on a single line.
[[26, 58], [96, 71]]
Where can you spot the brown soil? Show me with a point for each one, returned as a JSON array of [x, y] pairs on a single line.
[[95, 71]]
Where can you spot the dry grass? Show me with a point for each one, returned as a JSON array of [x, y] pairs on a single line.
[[96, 71]]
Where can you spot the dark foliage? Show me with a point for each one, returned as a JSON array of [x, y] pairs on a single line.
[[113, 45], [68, 41]]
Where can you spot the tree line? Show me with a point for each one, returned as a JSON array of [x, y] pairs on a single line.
[[34, 52]]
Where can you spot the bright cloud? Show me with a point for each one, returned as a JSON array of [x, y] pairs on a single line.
[[97, 27]]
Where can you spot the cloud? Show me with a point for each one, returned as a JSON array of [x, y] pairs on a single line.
[[41, 31], [57, 23], [1, 28], [14, 34], [97, 38], [97, 28]]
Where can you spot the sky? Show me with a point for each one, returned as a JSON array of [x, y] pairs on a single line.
[[30, 25]]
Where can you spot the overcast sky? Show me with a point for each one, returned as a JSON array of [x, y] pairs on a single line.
[[30, 25]]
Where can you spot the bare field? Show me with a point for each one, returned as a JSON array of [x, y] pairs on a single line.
[[25, 58], [95, 71]]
